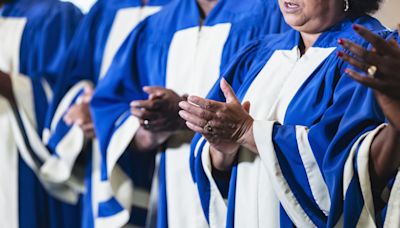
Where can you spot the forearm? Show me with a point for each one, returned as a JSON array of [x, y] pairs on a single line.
[[384, 157]]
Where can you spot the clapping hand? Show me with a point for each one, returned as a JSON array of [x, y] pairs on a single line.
[[159, 113], [224, 124], [381, 70]]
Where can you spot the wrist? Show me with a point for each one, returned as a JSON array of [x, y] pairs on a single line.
[[223, 161], [247, 140], [145, 141], [385, 154]]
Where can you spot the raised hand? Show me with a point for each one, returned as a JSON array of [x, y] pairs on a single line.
[[224, 125], [159, 112], [79, 114], [381, 70]]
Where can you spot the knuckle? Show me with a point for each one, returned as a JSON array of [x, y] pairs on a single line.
[[203, 114]]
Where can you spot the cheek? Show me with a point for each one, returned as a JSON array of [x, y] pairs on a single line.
[[296, 20]]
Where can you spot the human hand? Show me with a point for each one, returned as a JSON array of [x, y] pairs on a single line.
[[159, 113], [225, 125], [381, 68], [79, 114]]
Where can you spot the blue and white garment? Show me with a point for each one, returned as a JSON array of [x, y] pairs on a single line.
[[171, 49], [95, 44], [35, 35], [313, 128]]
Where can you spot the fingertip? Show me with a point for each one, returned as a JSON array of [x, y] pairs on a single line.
[[192, 98], [356, 27], [133, 104]]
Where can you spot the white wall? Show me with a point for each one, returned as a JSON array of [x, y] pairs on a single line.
[[389, 14]]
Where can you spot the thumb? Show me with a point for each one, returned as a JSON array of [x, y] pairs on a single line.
[[228, 91], [87, 94], [246, 106]]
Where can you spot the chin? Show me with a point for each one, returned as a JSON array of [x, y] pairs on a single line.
[[294, 21]]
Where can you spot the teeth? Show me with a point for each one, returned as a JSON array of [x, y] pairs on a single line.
[[291, 5]]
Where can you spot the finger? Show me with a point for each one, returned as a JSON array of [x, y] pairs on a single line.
[[192, 118], [379, 43], [145, 104], [246, 106], [70, 116], [370, 57], [206, 104], [154, 91], [196, 110], [366, 81], [144, 114], [228, 92], [353, 61], [195, 128]]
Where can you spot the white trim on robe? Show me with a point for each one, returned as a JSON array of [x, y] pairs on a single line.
[[360, 153], [207, 43]]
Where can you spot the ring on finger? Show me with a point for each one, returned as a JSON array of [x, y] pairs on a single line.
[[146, 123], [208, 127], [372, 71]]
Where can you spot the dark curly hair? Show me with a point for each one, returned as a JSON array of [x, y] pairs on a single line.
[[358, 7]]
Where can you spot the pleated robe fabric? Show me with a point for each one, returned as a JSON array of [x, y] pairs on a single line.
[[35, 36], [171, 49], [74, 161]]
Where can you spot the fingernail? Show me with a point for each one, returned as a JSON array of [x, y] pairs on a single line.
[[339, 54], [356, 27], [340, 41], [347, 71]]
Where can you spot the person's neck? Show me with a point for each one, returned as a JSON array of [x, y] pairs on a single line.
[[307, 41], [205, 7]]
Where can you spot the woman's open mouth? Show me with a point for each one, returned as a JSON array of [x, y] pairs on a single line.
[[291, 7]]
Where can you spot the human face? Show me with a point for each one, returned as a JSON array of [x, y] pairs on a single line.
[[312, 16]]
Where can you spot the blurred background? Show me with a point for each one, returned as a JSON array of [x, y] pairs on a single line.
[[389, 13]]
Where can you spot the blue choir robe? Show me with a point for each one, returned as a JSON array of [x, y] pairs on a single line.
[[313, 129], [95, 44], [35, 35], [171, 49]]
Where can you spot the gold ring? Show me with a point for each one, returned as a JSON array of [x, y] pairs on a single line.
[[372, 71], [208, 128]]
